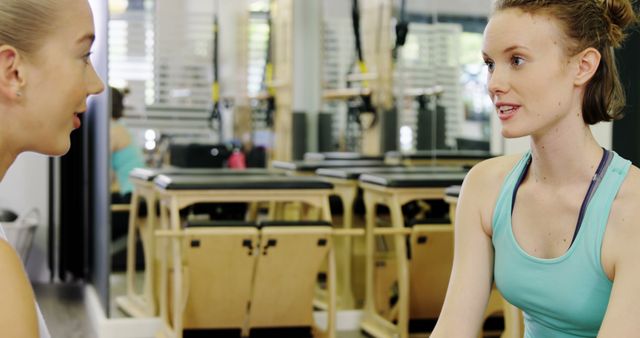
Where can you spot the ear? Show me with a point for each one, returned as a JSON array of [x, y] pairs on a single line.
[[588, 61], [11, 72]]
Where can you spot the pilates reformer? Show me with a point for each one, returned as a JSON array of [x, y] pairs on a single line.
[[346, 187], [340, 156], [513, 320], [430, 243], [466, 158], [308, 168], [177, 192], [143, 304]]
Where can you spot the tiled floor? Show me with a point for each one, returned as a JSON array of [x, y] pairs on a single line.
[[65, 310]]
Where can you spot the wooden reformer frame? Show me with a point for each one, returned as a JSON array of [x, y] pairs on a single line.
[[172, 201]]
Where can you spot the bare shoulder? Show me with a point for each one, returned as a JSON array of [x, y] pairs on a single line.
[[625, 206], [11, 268], [623, 228], [120, 137], [496, 167], [17, 310], [482, 185], [488, 175], [620, 253], [9, 260]]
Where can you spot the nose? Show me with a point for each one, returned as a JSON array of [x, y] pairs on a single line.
[[95, 84], [497, 82]]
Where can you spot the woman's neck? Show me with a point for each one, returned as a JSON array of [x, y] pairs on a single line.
[[7, 157], [564, 155]]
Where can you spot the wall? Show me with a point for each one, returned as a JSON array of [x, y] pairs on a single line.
[[24, 187]]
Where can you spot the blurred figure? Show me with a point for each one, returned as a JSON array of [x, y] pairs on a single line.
[[125, 155]]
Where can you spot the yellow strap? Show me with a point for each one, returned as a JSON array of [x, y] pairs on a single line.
[[268, 76], [363, 71], [215, 91]]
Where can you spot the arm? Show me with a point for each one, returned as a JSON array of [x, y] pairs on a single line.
[[472, 273], [119, 136], [621, 242], [17, 308]]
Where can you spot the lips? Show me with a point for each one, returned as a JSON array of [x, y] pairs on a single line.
[[506, 110], [76, 121]]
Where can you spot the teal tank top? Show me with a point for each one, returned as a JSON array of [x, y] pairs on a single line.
[[566, 296], [122, 162]]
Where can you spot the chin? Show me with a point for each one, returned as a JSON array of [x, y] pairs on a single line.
[[510, 133], [56, 149]]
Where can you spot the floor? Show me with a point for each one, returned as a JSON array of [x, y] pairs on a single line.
[[65, 310], [64, 307]]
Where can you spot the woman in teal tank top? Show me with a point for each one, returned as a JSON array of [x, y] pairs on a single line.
[[125, 155], [558, 228]]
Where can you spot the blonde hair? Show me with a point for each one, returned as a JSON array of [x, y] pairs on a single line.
[[25, 23], [590, 23]]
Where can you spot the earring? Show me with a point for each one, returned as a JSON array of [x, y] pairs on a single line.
[[18, 93]]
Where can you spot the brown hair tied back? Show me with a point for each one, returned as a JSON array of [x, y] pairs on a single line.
[[620, 15], [598, 24]]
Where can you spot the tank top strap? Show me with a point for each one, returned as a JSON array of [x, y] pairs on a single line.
[[602, 201], [504, 202]]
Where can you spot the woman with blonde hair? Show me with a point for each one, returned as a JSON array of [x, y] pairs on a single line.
[[556, 228], [45, 78]]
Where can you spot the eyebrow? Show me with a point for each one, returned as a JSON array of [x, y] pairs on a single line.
[[514, 47], [90, 37], [507, 50]]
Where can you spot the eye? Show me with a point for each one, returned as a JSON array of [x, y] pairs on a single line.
[[490, 65], [517, 61], [87, 57]]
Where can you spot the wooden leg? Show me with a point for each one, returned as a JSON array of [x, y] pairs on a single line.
[[149, 252], [331, 301], [131, 245], [164, 270], [252, 212], [325, 214], [346, 294], [272, 210], [397, 222], [370, 215], [177, 270]]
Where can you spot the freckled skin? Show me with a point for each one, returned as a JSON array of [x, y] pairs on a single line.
[[533, 76]]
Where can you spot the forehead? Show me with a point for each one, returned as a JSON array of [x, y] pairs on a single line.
[[514, 27], [75, 18]]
